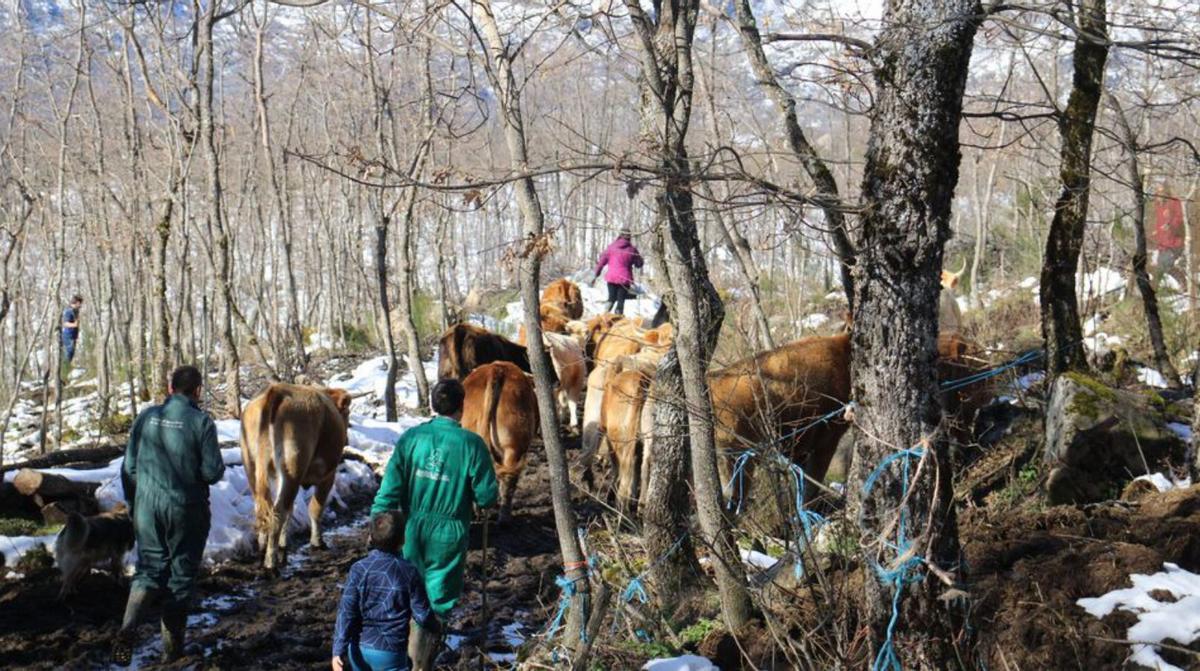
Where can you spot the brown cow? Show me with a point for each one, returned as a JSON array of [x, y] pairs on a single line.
[[569, 366], [622, 425], [295, 434], [464, 347], [554, 320], [565, 294], [501, 407]]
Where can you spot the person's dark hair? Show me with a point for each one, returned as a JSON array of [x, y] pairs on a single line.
[[186, 380], [77, 298], [386, 533], [447, 397]]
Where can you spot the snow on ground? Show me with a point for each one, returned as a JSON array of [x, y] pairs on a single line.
[[1151, 378], [814, 321], [1157, 621], [684, 663], [1182, 430], [230, 499], [1100, 282]]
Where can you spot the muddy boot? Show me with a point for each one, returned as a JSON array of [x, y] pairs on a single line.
[[139, 603], [423, 644], [174, 622]]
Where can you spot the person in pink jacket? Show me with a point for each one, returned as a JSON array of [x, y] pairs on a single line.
[[621, 257]]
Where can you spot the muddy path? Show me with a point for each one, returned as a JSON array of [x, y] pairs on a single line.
[[242, 619]]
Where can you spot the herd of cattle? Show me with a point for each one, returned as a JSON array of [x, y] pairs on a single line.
[[295, 435]]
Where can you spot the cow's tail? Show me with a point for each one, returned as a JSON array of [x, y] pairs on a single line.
[[491, 402], [270, 457]]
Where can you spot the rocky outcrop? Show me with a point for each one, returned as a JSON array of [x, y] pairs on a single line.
[[1098, 439]]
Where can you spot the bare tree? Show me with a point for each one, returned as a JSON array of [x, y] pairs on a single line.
[[1060, 311], [664, 43], [1162, 360], [912, 165], [500, 72]]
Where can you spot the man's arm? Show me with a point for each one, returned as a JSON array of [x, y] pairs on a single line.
[[393, 491], [483, 476], [349, 619], [129, 465], [212, 466]]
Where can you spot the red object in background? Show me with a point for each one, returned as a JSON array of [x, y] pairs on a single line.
[[1168, 223]]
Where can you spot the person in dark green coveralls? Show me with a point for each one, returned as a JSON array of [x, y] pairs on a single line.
[[170, 461], [437, 472]]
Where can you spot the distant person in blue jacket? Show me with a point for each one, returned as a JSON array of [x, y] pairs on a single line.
[[70, 327], [382, 594]]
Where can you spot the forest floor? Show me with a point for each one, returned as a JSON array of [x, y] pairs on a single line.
[[244, 619]]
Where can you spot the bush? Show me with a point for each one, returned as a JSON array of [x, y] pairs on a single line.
[[356, 339], [115, 424]]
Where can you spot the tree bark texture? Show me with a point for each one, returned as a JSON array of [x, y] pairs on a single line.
[[667, 79], [1061, 328], [911, 170], [500, 73]]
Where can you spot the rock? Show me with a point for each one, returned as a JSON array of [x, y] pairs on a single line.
[[1098, 439]]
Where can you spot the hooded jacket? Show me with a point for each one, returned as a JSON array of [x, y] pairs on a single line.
[[621, 257]]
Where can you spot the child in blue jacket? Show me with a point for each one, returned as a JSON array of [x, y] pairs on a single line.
[[382, 593]]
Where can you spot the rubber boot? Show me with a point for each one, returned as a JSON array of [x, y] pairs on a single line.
[[140, 600], [174, 623]]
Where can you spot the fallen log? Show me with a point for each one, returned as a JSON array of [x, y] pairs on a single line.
[[47, 487], [101, 453]]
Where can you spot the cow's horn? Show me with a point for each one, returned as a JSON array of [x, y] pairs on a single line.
[[963, 269], [360, 394]]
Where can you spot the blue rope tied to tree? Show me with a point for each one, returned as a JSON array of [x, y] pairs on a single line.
[[567, 585], [904, 573], [1028, 357], [808, 520], [636, 587], [738, 476]]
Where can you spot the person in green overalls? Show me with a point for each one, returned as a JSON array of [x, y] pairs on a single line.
[[438, 470], [170, 461]]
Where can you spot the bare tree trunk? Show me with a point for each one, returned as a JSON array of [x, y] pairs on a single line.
[[499, 69], [233, 380], [822, 178], [1162, 360], [909, 177], [667, 78], [300, 361], [1060, 310]]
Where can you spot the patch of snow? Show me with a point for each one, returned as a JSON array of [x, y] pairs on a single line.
[[1026, 382], [683, 663], [814, 321], [835, 296], [1100, 343], [964, 303], [228, 430], [1182, 430], [1029, 283], [1151, 378], [1100, 282], [1157, 621]]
